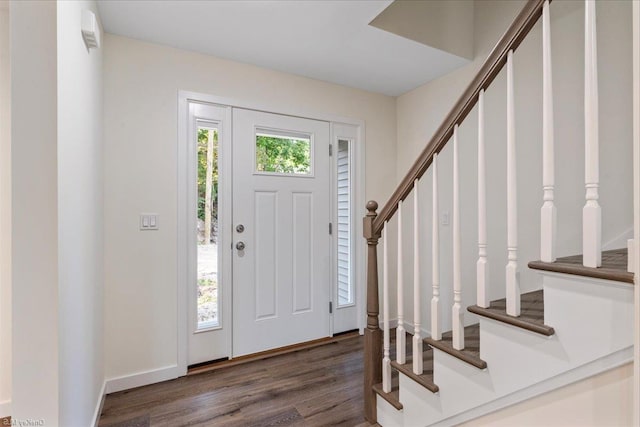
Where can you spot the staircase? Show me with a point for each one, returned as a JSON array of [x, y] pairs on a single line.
[[580, 322], [541, 358]]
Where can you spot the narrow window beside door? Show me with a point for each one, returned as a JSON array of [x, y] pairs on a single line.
[[208, 304], [345, 283]]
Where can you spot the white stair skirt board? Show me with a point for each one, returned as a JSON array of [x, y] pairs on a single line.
[[422, 408], [592, 319], [583, 372]]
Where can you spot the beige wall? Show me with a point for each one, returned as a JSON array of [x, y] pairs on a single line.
[[34, 220], [5, 213], [421, 111], [604, 400], [142, 81]]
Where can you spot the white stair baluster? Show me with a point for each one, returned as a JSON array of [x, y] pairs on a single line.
[[548, 212], [386, 361], [401, 335], [417, 336], [457, 325], [436, 330], [591, 213], [512, 275], [482, 272]]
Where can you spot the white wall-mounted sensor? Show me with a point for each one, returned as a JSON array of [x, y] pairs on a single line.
[[90, 29]]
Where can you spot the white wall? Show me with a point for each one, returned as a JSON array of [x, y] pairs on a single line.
[[421, 111], [602, 400], [57, 190], [80, 220], [5, 213], [142, 81], [34, 184]]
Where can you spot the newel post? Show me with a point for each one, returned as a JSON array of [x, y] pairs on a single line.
[[372, 333]]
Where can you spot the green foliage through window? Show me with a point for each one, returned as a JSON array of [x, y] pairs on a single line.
[[203, 139], [283, 154]]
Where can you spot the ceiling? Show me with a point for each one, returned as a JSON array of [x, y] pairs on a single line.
[[325, 40]]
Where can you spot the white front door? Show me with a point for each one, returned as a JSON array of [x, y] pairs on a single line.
[[281, 242]]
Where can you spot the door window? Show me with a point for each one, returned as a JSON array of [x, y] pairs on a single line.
[[283, 153]]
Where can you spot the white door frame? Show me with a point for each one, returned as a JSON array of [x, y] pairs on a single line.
[[350, 133], [184, 97], [218, 336]]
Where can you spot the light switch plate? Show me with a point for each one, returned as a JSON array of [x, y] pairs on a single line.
[[149, 221]]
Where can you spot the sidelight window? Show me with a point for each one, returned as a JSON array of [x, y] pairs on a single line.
[[207, 227], [345, 276]]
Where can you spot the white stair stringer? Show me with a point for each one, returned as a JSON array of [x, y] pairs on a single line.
[[593, 322]]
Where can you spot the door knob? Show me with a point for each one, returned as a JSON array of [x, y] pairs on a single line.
[[240, 246], [240, 228]]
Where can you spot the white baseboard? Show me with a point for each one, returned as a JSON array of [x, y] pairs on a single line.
[[139, 379], [5, 408], [619, 241], [604, 364], [99, 404]]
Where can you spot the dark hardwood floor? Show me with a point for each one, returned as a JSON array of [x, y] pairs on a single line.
[[321, 386]]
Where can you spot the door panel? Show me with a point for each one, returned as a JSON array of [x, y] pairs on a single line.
[[282, 275], [266, 243], [302, 252]]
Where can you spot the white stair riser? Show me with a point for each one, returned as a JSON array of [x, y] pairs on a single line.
[[591, 317], [387, 414]]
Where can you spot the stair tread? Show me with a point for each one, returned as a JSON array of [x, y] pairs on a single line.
[[614, 266], [426, 379], [531, 313], [393, 397], [471, 352]]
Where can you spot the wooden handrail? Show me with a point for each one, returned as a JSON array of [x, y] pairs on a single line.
[[511, 39]]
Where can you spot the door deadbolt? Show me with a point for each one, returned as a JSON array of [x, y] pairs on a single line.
[[240, 228], [240, 246]]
